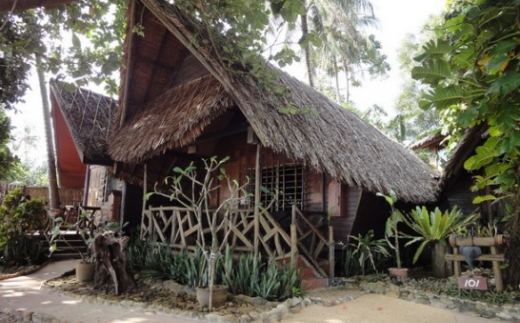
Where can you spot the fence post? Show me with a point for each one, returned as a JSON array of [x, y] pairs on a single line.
[[331, 255], [294, 238], [256, 240]]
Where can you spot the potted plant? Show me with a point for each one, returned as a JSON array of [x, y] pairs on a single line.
[[85, 268], [211, 221], [433, 228], [392, 233]]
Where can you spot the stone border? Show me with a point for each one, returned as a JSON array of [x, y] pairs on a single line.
[[28, 316], [508, 312], [25, 272], [275, 311]]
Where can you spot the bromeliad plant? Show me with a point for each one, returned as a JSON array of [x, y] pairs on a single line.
[[434, 225]]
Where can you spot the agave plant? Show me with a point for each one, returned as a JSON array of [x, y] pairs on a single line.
[[434, 225]]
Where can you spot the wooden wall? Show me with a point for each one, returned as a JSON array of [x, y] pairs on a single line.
[[68, 196], [459, 194], [372, 214]]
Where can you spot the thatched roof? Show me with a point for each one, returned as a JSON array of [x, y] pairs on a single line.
[[174, 119], [90, 120], [329, 138], [465, 148], [435, 140]]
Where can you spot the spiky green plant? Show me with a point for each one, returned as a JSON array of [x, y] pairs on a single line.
[[366, 248], [434, 225]]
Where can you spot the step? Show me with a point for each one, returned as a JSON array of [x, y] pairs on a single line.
[[314, 283]]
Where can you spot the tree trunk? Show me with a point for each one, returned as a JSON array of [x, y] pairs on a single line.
[[307, 50], [440, 267], [347, 78], [336, 78], [54, 197], [109, 251]]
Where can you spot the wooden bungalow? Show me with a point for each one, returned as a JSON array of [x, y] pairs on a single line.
[[456, 182], [180, 102], [83, 121]]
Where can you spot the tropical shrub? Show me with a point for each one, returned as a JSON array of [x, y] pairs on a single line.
[[391, 226], [247, 274], [20, 219], [367, 251], [434, 225]]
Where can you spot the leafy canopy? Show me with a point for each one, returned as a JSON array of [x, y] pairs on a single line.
[[473, 70]]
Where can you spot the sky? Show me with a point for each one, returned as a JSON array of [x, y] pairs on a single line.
[[396, 19]]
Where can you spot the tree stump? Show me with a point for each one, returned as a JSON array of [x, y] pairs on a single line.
[[109, 251]]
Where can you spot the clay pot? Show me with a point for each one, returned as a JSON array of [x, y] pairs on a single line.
[[219, 296], [85, 271], [399, 273]]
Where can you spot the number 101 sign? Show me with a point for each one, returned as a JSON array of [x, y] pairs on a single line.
[[479, 283]]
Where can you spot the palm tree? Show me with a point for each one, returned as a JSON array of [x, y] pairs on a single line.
[[54, 198], [340, 21]]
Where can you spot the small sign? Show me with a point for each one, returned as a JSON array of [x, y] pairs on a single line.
[[478, 283]]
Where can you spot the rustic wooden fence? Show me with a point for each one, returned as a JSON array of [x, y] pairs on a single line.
[[179, 228], [68, 196]]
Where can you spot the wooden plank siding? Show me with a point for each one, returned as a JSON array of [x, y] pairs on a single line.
[[459, 194], [372, 214], [342, 225]]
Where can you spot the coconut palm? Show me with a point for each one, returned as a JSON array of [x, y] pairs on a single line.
[[340, 21]]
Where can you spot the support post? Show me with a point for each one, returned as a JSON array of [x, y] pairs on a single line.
[[86, 186], [294, 238], [257, 201], [331, 255], [145, 190], [496, 270]]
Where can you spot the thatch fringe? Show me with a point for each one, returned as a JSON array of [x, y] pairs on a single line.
[[174, 119]]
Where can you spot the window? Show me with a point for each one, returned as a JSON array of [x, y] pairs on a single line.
[[287, 180]]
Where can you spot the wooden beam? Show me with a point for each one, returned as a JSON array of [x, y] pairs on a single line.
[[257, 201], [129, 63], [221, 134], [155, 64], [15, 5]]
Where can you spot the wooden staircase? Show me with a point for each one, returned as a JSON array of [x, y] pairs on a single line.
[[70, 245], [312, 277]]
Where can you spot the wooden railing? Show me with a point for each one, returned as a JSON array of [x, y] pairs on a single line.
[[179, 228], [311, 242]]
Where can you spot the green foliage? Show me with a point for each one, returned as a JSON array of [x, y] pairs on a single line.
[[367, 250], [351, 264], [391, 225], [192, 269], [473, 69], [24, 250], [247, 274], [250, 275], [21, 218], [434, 225]]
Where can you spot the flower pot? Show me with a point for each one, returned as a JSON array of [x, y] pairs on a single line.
[[85, 271], [399, 273], [219, 296]]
